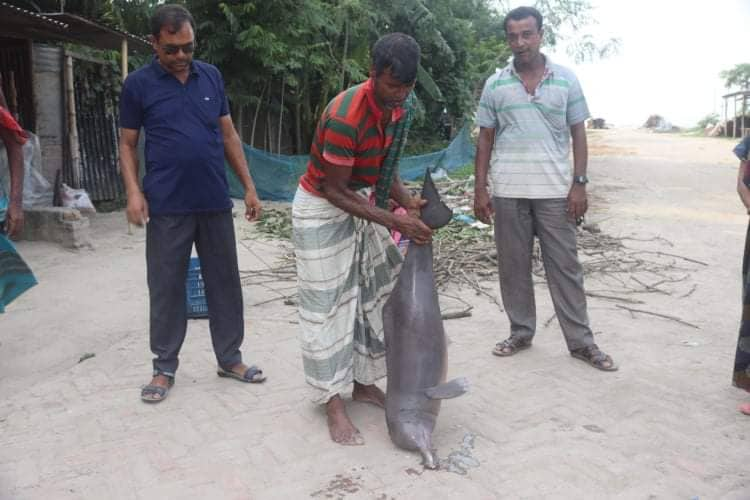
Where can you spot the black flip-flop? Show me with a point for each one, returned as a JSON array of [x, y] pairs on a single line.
[[249, 377]]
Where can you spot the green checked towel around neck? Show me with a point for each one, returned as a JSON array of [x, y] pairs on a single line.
[[391, 161]]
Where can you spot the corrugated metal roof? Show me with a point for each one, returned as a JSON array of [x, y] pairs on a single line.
[[21, 23], [734, 94], [90, 33]]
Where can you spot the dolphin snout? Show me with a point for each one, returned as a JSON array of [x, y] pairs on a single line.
[[429, 459]]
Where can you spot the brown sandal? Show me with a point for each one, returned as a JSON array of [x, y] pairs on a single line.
[[156, 393], [510, 346], [596, 358]]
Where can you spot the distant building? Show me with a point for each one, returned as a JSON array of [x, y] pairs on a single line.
[[736, 119]]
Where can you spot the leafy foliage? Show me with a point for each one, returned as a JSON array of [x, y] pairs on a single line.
[[739, 76], [283, 60]]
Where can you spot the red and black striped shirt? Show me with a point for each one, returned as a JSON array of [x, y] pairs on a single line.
[[349, 135]]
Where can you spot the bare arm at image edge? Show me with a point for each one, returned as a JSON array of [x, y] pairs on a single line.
[[14, 147], [742, 188], [14, 217]]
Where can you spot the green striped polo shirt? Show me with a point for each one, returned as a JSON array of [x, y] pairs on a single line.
[[531, 154], [349, 135]]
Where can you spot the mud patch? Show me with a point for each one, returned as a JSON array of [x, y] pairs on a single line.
[[459, 462], [339, 487]]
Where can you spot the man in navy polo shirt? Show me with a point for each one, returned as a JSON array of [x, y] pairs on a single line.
[[180, 103]]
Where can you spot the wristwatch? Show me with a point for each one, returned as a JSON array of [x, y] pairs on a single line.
[[580, 179]]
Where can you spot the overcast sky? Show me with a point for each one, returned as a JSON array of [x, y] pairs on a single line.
[[669, 62]]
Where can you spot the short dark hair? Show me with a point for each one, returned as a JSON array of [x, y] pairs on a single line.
[[400, 53], [522, 13], [171, 16]]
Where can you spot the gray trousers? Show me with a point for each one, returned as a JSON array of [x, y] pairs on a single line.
[[517, 220], [169, 241]]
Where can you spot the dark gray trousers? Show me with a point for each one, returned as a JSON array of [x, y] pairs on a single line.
[[169, 241], [517, 220]]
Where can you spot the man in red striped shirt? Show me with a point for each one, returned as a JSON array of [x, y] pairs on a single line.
[[347, 263]]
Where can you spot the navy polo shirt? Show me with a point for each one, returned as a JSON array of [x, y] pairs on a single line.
[[184, 145]]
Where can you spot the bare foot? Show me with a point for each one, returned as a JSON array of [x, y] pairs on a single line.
[[745, 408], [339, 426], [368, 394]]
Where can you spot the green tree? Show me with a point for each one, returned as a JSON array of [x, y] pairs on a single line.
[[283, 60], [739, 76]]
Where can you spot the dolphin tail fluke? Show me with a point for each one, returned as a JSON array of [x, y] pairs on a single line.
[[429, 458], [448, 390]]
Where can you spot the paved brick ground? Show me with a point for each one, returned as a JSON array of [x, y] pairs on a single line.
[[538, 425]]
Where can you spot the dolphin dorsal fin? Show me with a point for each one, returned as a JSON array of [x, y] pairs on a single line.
[[436, 213], [448, 390]]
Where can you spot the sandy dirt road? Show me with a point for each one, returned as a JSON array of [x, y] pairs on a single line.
[[537, 425]]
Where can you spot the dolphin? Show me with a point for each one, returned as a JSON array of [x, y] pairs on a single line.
[[416, 359]]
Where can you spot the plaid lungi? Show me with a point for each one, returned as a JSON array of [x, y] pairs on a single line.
[[346, 269]]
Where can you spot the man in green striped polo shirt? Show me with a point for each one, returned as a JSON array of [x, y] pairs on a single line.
[[527, 115], [347, 263]]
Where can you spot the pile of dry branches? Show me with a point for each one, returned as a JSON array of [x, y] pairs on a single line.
[[617, 269]]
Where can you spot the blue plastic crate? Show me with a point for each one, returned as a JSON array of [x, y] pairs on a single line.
[[197, 307]]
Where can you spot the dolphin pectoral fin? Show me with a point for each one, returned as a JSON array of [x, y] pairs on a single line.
[[448, 390]]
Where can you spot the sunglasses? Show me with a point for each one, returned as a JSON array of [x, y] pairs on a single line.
[[171, 50]]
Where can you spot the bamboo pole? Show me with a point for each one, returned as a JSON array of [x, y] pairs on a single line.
[[75, 151], [734, 129], [124, 72], [239, 123], [343, 57], [281, 115], [726, 118], [124, 60], [13, 96], [257, 113]]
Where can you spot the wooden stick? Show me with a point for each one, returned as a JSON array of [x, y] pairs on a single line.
[[612, 297], [660, 315], [689, 293], [458, 314], [688, 259]]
